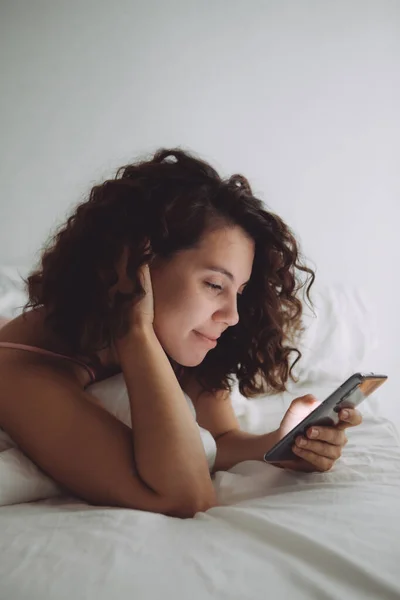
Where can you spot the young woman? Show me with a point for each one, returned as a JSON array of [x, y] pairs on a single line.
[[181, 280]]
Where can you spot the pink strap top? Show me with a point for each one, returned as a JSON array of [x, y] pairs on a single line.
[[49, 353]]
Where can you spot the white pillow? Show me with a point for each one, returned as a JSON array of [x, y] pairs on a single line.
[[341, 336]]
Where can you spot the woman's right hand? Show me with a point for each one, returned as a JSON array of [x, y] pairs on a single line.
[[142, 311]]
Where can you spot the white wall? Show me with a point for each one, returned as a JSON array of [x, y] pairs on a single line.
[[301, 96]]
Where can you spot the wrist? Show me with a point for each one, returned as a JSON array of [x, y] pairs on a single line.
[[270, 439], [136, 336], [237, 446]]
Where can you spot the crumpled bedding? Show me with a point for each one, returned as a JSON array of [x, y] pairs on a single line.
[[275, 533]]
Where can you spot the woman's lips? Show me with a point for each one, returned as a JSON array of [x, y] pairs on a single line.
[[206, 340]]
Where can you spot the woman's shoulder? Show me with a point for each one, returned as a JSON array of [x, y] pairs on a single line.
[[27, 346], [25, 328], [17, 364]]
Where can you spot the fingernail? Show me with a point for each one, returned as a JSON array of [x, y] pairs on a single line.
[[314, 433], [302, 442], [345, 414]]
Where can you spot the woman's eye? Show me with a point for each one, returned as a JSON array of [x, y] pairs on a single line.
[[213, 286]]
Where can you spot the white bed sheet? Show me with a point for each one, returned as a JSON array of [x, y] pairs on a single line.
[[277, 533]]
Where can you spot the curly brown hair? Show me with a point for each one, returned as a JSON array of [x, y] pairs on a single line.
[[171, 200]]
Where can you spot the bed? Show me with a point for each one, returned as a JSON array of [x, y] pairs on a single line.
[[275, 534]]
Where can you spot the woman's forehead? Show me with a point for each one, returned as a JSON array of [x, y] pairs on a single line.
[[226, 240], [229, 252]]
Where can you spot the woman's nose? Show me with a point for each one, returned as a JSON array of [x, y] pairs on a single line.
[[229, 313]]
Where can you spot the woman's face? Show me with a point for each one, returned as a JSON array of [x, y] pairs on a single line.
[[193, 297]]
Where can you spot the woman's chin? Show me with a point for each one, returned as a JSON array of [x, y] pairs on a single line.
[[189, 354], [189, 361]]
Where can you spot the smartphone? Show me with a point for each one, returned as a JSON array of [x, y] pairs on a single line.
[[351, 393]]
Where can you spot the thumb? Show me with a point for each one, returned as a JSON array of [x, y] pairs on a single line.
[[299, 409], [307, 402]]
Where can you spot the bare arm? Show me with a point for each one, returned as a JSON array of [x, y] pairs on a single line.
[[159, 465], [80, 445], [215, 413], [168, 449], [237, 446]]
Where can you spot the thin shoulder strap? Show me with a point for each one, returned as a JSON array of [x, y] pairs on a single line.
[[49, 353]]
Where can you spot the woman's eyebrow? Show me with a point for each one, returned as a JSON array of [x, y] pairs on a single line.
[[224, 272]]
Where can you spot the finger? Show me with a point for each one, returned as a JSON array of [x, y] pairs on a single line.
[[320, 448], [349, 417], [331, 435], [321, 463], [146, 278], [297, 404], [298, 410]]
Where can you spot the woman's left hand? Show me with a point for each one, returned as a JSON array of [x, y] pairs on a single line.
[[316, 452]]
